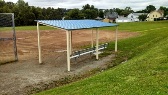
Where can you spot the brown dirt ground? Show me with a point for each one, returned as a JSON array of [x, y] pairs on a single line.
[[18, 77]]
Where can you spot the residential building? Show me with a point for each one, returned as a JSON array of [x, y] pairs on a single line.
[[135, 16], [154, 15], [110, 17], [123, 19]]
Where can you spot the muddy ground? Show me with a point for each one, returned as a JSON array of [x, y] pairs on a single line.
[[18, 78]]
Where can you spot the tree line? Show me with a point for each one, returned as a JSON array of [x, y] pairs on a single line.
[[25, 14]]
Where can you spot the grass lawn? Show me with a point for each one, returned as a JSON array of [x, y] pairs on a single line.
[[145, 72]]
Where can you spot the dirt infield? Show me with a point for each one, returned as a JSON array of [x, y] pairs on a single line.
[[16, 77]]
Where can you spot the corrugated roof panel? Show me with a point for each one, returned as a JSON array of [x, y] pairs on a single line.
[[75, 24]]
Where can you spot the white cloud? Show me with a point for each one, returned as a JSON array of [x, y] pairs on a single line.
[[102, 4]]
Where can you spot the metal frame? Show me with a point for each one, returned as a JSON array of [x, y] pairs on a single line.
[[39, 45], [14, 35], [69, 44], [116, 38], [97, 43], [77, 54], [92, 39]]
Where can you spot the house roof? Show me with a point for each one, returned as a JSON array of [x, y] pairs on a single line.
[[159, 11], [98, 18], [138, 14], [75, 24], [111, 15], [123, 18]]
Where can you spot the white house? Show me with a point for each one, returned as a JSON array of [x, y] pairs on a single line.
[[123, 19], [135, 16]]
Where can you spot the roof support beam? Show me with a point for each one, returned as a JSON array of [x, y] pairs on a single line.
[[116, 38], [97, 43], [39, 45], [70, 42], [92, 39], [68, 50]]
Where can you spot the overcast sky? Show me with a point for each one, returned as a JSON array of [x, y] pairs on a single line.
[[101, 4]]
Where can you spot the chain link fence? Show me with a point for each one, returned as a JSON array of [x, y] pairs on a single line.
[[8, 48]]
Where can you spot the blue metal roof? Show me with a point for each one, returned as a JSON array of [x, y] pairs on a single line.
[[75, 24]]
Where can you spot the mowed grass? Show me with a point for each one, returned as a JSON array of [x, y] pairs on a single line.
[[144, 73], [139, 26]]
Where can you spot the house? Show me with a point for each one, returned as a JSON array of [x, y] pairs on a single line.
[[106, 20], [110, 17], [123, 19], [135, 16], [154, 15], [98, 18]]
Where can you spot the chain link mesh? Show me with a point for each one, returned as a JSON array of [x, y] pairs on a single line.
[[6, 38], [5, 20]]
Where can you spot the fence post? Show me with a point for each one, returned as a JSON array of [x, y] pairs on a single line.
[[14, 38]]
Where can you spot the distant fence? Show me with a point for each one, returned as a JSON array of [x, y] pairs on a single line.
[[8, 48]]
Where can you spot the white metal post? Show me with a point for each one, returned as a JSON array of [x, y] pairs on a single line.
[[14, 38], [116, 39], [70, 42], [92, 39], [68, 50], [39, 46], [97, 43]]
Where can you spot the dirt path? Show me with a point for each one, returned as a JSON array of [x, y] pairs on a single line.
[[19, 77]]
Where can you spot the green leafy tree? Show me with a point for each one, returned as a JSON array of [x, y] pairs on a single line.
[[101, 14], [23, 16], [74, 14], [87, 6], [126, 11], [4, 7], [119, 11], [142, 17], [90, 12], [164, 9], [150, 8]]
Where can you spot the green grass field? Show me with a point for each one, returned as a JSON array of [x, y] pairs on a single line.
[[145, 72]]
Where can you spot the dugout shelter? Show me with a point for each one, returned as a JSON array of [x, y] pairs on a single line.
[[68, 26]]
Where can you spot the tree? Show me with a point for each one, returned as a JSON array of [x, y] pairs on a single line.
[[23, 15], [164, 9], [150, 8], [87, 6], [142, 17], [74, 14], [118, 11], [126, 11], [101, 14], [90, 12], [142, 11]]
